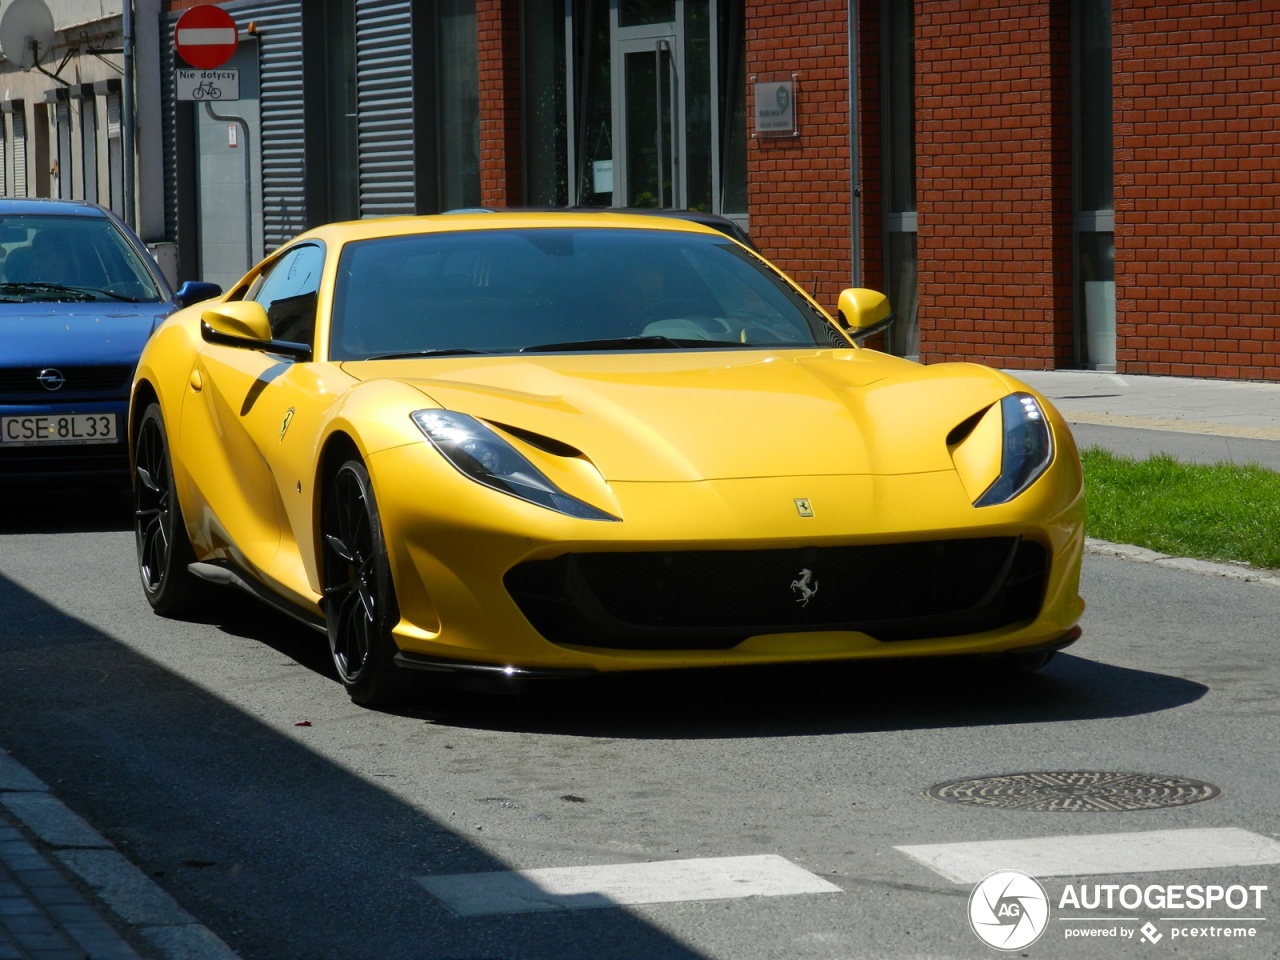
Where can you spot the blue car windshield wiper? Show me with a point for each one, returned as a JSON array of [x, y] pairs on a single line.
[[80, 293]]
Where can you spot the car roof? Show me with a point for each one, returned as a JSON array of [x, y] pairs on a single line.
[[45, 205], [716, 221], [480, 219]]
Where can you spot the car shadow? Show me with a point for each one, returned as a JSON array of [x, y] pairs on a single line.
[[806, 701], [279, 851], [767, 701], [54, 508]]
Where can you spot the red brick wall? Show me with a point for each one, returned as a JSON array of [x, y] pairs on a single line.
[[799, 192], [993, 182], [1197, 126], [501, 156]]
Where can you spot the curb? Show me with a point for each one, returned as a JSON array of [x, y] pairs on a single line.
[[133, 897], [1232, 571]]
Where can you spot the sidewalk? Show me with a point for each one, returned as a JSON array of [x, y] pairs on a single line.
[[67, 894], [1199, 421], [1196, 421]]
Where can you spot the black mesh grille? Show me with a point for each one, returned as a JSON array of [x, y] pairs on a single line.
[[717, 598], [95, 379]]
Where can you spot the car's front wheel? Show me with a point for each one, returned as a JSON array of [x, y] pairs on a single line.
[[359, 597], [163, 548]]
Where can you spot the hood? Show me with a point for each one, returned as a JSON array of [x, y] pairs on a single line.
[[44, 334], [714, 415]]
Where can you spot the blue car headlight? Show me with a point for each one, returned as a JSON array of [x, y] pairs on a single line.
[[1027, 451], [481, 454]]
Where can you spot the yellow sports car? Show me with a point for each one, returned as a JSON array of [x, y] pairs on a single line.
[[554, 444]]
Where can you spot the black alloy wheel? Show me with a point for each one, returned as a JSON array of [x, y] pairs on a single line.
[[164, 551], [359, 598]]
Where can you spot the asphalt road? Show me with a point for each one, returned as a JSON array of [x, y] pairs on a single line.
[[223, 758]]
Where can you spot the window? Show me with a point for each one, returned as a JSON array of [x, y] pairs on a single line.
[[459, 106], [898, 108], [287, 291], [1094, 219]]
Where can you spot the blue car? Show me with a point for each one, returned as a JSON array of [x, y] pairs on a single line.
[[79, 296]]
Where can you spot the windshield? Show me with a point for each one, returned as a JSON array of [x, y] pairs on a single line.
[[70, 258], [563, 290]]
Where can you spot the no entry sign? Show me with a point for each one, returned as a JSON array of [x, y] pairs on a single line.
[[205, 36]]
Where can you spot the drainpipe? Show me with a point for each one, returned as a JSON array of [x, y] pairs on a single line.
[[855, 188], [128, 120]]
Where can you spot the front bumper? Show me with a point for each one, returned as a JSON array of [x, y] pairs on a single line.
[[92, 463], [455, 544]]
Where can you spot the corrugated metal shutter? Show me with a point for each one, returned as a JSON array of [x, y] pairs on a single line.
[[284, 154], [115, 127], [279, 29], [168, 124], [384, 95], [19, 154]]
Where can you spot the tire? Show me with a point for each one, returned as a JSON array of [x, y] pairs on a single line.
[[164, 550], [359, 597]]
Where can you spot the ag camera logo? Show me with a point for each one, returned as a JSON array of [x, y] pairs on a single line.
[[1009, 910]]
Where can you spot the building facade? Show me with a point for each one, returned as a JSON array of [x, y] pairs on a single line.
[[1045, 184], [64, 115]]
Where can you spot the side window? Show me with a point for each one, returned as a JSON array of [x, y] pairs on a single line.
[[287, 291]]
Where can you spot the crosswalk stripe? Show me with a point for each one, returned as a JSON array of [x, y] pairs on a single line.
[[665, 881], [1102, 853]]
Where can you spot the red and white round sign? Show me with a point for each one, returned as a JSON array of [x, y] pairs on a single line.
[[206, 37]]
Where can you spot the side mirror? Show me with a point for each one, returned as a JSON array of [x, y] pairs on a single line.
[[196, 291], [863, 312], [244, 323], [241, 319]]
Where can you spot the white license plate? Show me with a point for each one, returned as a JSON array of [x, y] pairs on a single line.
[[53, 429]]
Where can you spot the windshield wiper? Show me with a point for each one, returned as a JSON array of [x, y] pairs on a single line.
[[436, 352], [627, 343], [41, 286]]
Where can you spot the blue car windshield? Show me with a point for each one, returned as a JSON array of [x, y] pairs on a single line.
[[563, 289], [70, 258]]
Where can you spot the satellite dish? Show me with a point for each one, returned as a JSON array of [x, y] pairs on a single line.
[[26, 33]]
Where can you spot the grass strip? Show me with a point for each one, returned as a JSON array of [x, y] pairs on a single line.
[[1221, 511]]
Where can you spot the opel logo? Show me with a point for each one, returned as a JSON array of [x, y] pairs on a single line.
[[51, 379]]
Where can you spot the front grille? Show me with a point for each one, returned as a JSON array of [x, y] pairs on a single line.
[[718, 598], [113, 379], [71, 462]]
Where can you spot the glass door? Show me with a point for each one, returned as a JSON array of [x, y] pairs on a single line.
[[647, 169], [629, 133]]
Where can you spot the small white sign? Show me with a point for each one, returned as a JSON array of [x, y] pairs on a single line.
[[776, 109], [207, 84], [602, 176]]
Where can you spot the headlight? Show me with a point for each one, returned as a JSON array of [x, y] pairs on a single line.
[[479, 453], [1027, 451]]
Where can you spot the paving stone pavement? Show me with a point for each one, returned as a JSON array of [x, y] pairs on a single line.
[[66, 893]]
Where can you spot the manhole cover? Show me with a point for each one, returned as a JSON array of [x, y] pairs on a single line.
[[1075, 791]]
